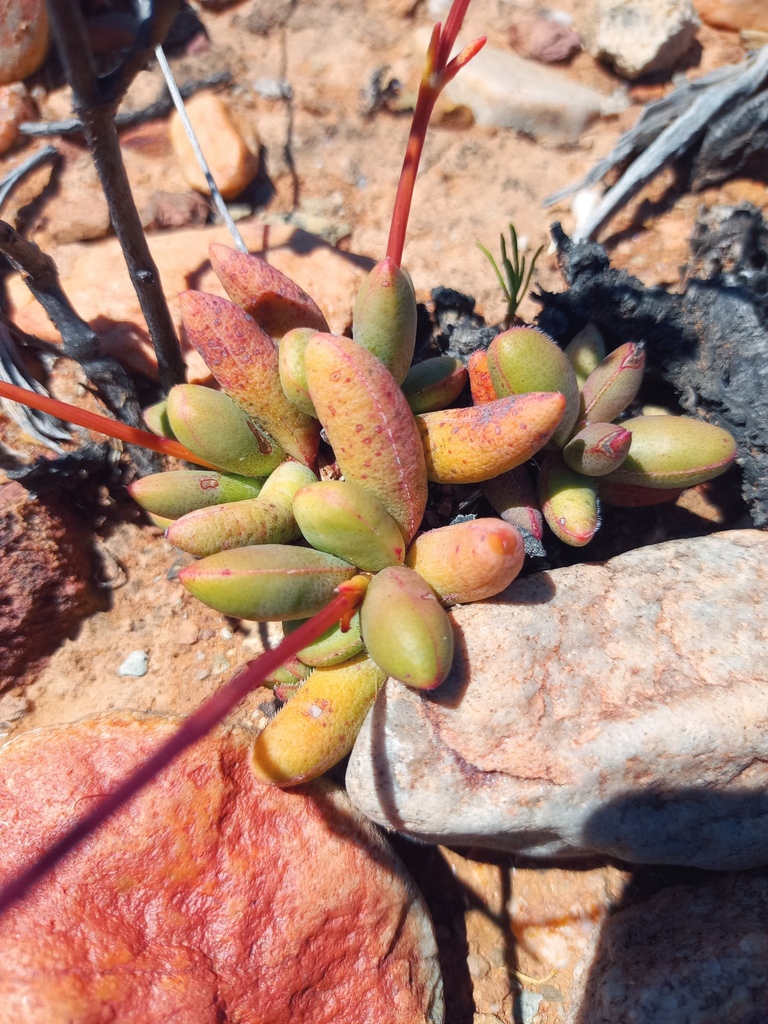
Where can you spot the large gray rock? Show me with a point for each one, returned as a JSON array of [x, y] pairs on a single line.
[[506, 91], [688, 955], [619, 709]]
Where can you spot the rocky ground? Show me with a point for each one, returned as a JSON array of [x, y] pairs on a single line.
[[95, 622]]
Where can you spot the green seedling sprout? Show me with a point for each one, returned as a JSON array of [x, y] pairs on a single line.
[[513, 277]]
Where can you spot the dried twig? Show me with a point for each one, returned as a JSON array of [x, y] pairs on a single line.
[[667, 130], [11, 180], [97, 115], [126, 118], [79, 340], [216, 195]]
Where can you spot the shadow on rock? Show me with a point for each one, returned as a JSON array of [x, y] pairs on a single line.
[[685, 945]]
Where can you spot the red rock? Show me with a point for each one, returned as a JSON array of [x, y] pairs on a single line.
[[95, 279], [23, 38], [230, 147], [173, 210], [734, 14], [211, 898], [543, 39], [15, 106], [45, 570]]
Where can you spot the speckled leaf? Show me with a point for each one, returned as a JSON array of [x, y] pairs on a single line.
[[319, 725], [480, 383], [276, 303], [244, 360], [468, 561], [266, 582], [211, 425], [370, 426], [467, 446]]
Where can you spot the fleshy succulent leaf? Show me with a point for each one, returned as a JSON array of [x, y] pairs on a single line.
[[468, 561], [465, 446], [266, 582], [370, 426], [480, 383], [524, 359], [612, 385], [586, 351], [333, 647], [210, 424], [156, 418], [293, 376], [319, 725], [275, 302], [406, 631], [597, 449], [568, 501], [384, 318], [513, 496], [673, 452], [266, 519], [344, 519], [174, 494], [244, 360], [434, 384]]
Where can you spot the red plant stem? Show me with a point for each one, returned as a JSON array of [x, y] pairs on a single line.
[[104, 425], [197, 725], [437, 73]]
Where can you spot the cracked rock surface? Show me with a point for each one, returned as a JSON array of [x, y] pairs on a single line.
[[614, 709]]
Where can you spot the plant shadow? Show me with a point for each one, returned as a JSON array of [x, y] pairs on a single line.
[[702, 937]]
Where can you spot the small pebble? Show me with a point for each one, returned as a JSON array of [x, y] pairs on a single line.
[[527, 1006], [478, 965], [226, 634], [231, 147], [273, 88], [135, 664]]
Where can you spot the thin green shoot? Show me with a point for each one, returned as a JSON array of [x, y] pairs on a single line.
[[514, 275]]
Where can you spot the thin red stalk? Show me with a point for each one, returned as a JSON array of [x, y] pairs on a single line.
[[197, 725], [437, 73], [448, 37], [104, 425]]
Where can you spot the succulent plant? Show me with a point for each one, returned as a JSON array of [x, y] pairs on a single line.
[[276, 542], [369, 521], [641, 461]]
